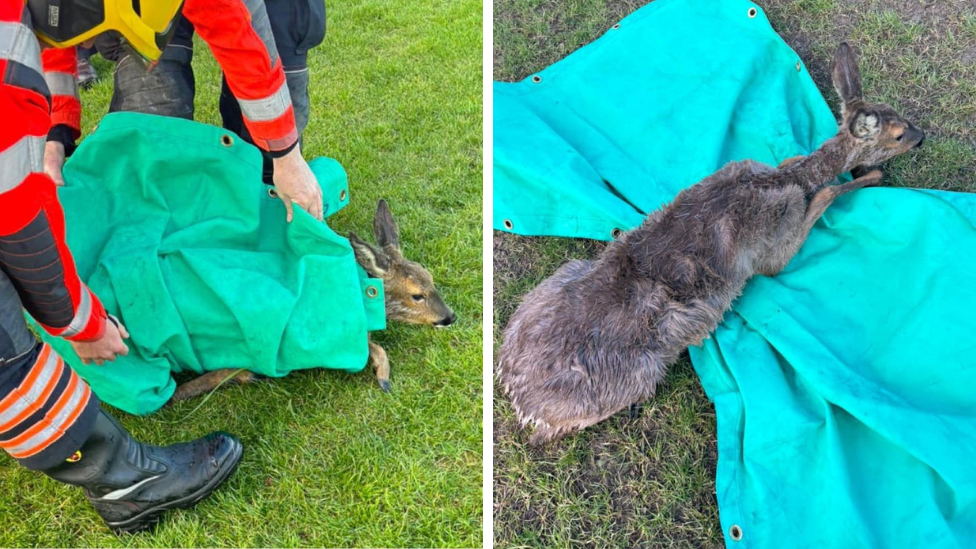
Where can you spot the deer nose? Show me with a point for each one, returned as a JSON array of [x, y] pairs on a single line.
[[920, 141], [446, 321]]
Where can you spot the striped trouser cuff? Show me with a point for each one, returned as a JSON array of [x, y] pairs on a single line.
[[48, 414]]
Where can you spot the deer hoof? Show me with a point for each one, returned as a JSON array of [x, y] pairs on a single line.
[[636, 410], [385, 385]]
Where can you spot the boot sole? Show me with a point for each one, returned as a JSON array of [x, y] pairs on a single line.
[[150, 517]]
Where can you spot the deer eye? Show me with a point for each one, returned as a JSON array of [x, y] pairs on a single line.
[[900, 136], [417, 297]]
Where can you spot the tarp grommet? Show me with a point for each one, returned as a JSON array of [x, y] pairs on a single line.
[[342, 195], [615, 233], [735, 532], [272, 192], [753, 12], [798, 66], [372, 292], [226, 140], [536, 78], [508, 224], [615, 27]]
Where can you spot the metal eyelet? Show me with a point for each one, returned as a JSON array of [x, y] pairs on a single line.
[[735, 532], [342, 195], [372, 292], [615, 233], [752, 12], [536, 78], [226, 140], [508, 224], [615, 27], [797, 66], [272, 192]]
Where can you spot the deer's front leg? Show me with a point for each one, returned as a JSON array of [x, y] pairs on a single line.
[[381, 365]]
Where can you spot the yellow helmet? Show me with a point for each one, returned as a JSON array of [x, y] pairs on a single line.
[[146, 25]]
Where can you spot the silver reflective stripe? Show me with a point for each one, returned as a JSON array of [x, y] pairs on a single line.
[[81, 315], [27, 397], [18, 43], [62, 83], [20, 160], [121, 493], [269, 108], [55, 425], [261, 24]]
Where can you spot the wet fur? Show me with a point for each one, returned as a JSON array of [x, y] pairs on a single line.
[[597, 336]]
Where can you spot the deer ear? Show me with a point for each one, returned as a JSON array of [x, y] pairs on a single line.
[[385, 228], [374, 260], [845, 74], [865, 124]]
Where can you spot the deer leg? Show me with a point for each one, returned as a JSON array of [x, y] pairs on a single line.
[[789, 245], [381, 365], [826, 196], [210, 381], [789, 161]]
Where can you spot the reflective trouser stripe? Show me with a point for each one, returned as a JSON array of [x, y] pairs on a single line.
[[269, 108], [21, 159], [33, 392], [18, 43], [54, 424], [82, 314], [62, 83]]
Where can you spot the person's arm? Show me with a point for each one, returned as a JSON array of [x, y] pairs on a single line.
[[33, 253], [256, 78], [61, 76]]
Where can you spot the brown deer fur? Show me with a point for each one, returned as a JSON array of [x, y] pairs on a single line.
[[596, 336]]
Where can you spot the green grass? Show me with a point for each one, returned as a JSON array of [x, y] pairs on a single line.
[[649, 481], [329, 459]]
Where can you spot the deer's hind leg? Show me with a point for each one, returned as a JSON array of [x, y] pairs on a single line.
[[210, 381]]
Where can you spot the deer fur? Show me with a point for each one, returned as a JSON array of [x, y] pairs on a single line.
[[409, 292], [596, 336]]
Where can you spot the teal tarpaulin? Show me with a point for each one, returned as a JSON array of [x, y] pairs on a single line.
[[170, 225], [843, 387]]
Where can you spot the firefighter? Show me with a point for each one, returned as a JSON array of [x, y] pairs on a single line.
[[289, 29], [50, 421]]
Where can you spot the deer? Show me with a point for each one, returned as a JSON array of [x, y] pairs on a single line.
[[597, 336], [409, 293]]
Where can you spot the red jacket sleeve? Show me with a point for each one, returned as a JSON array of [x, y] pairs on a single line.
[[254, 73], [61, 75], [33, 253]]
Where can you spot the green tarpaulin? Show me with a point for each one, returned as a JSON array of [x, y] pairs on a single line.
[[170, 225], [843, 387]]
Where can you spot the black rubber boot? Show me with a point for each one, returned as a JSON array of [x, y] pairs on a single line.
[[131, 484]]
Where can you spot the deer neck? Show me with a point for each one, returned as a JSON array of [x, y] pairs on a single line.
[[820, 167]]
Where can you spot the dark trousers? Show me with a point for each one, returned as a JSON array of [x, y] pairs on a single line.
[[294, 26]]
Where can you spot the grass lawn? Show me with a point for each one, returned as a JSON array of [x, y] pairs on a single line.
[[649, 482], [330, 460]]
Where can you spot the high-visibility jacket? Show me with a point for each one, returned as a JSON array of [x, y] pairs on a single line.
[[38, 92]]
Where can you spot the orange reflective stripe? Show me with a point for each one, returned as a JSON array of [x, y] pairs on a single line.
[[45, 432], [33, 395]]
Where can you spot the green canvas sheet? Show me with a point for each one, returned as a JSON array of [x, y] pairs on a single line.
[[170, 225], [843, 387], [620, 126]]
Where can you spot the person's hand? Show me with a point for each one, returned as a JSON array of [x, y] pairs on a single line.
[[54, 161], [296, 184], [105, 348]]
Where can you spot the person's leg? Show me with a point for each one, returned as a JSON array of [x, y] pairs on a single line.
[[50, 421], [167, 90], [295, 27], [86, 72]]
